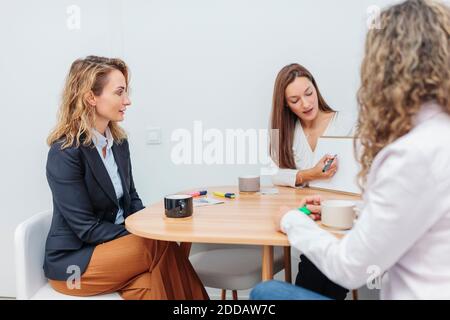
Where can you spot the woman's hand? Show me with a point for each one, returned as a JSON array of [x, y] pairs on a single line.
[[311, 202], [277, 218], [313, 205], [317, 173]]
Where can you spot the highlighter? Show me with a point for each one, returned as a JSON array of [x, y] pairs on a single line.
[[305, 210], [198, 193], [225, 195]]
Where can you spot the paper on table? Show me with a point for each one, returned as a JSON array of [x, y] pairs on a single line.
[[201, 202], [269, 191]]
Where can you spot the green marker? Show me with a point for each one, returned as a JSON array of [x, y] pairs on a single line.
[[305, 210]]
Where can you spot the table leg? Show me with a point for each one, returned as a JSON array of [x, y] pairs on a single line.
[[267, 263], [186, 248], [287, 264]]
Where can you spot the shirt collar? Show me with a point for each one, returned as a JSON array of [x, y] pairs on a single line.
[[101, 141], [427, 111]]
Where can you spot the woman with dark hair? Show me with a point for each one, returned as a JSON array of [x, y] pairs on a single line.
[[301, 115]]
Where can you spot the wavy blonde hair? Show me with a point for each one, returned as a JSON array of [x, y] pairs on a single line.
[[76, 117], [406, 64]]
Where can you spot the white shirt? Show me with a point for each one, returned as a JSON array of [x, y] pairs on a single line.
[[100, 142], [341, 125], [404, 225]]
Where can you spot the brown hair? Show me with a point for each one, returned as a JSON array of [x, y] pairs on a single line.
[[283, 119], [406, 63], [76, 117]]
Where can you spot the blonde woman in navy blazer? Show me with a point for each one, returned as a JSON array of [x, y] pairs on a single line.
[[90, 176]]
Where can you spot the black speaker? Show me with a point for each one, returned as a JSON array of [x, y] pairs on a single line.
[[178, 206]]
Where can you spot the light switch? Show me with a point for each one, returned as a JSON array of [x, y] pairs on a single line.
[[153, 135]]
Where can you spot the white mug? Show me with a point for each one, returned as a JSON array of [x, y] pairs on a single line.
[[338, 214], [249, 183]]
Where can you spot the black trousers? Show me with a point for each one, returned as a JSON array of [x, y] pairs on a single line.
[[311, 278]]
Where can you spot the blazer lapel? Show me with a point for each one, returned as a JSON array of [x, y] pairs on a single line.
[[100, 172]]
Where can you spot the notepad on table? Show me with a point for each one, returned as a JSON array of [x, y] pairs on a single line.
[[201, 202], [345, 179]]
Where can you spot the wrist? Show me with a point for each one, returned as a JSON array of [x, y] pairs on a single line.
[[284, 221], [307, 175]]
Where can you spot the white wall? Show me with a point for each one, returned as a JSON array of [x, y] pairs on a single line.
[[214, 61]]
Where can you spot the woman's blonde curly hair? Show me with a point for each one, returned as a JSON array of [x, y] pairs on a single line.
[[406, 64], [76, 116]]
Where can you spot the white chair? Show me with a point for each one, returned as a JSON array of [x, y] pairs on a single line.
[[29, 242], [235, 267]]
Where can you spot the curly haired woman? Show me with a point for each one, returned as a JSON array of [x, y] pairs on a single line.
[[404, 128]]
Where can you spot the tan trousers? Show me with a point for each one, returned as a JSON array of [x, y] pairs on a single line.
[[138, 268]]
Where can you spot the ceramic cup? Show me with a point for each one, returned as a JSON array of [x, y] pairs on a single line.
[[249, 183], [178, 205], [339, 214]]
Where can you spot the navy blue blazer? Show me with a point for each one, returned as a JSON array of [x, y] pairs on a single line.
[[84, 205]]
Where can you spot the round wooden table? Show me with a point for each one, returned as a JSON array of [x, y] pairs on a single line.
[[247, 219]]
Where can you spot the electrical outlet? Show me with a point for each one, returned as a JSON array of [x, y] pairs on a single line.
[[153, 135]]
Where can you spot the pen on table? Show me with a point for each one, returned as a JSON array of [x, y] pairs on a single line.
[[225, 195], [328, 164], [198, 193]]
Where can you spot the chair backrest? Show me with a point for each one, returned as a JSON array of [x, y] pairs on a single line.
[[29, 247]]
